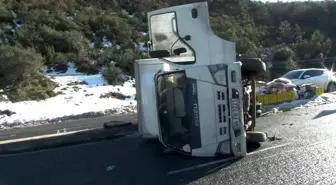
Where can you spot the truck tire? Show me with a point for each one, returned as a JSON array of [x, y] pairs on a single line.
[[255, 137], [252, 66]]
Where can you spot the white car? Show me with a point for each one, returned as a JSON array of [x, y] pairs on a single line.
[[319, 77]]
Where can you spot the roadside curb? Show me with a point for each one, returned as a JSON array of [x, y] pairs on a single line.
[[66, 139]]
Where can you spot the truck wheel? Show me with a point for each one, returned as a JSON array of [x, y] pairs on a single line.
[[255, 137], [331, 87], [252, 66]]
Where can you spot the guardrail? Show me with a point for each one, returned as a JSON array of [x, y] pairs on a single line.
[[282, 97]]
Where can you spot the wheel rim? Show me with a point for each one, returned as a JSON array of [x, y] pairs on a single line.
[[332, 88]]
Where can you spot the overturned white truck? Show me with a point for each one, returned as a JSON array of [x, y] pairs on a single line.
[[190, 92]]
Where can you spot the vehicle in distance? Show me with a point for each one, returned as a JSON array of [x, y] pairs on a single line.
[[319, 77]]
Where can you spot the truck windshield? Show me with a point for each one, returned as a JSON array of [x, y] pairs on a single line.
[[164, 35], [171, 91]]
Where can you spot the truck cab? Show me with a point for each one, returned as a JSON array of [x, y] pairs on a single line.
[[190, 91]]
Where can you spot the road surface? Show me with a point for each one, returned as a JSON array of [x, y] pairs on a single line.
[[305, 155], [74, 125]]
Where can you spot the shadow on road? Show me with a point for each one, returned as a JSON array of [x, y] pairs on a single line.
[[324, 113], [127, 162], [148, 165], [153, 167]]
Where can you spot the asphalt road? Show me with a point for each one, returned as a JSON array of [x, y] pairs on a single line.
[[74, 125], [304, 155]]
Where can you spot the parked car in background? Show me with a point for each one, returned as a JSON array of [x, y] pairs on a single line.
[[319, 77]]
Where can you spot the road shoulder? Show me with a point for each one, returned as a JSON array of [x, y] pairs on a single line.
[[47, 137]]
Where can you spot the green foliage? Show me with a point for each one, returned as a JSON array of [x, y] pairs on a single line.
[[283, 61], [113, 75], [21, 74], [61, 31], [114, 95], [313, 46], [17, 65], [39, 88], [87, 66], [125, 59], [62, 67]]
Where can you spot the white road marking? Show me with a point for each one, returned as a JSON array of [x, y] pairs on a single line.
[[41, 136], [57, 148], [269, 148], [201, 165]]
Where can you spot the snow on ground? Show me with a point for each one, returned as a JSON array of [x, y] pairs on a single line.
[[304, 103], [79, 96]]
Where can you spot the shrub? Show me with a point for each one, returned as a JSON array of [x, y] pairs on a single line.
[[114, 95], [2, 98], [18, 64], [283, 61], [21, 75], [39, 88], [62, 67], [113, 75], [87, 66], [127, 58]]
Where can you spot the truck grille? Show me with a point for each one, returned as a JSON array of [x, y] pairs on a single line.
[[221, 112]]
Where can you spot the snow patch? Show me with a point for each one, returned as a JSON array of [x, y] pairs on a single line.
[[79, 96]]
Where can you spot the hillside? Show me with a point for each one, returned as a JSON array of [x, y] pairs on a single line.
[[38, 34]]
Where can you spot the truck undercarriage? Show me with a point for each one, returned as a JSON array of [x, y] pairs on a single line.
[[251, 68]]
